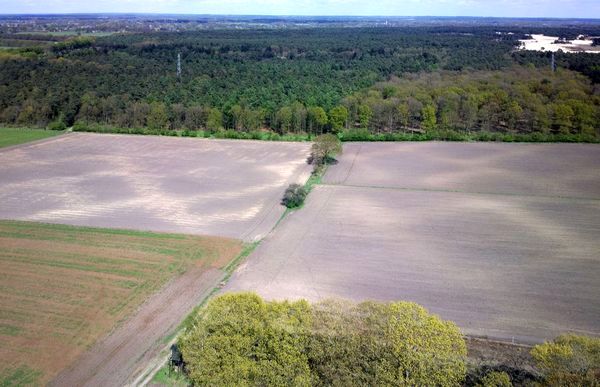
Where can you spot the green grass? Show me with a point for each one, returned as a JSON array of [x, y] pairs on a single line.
[[21, 376], [168, 377], [15, 136]]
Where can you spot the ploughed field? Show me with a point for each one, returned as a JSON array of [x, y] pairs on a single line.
[[501, 238], [184, 185], [65, 287]]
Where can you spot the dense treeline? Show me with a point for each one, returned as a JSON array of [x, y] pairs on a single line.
[[305, 81], [517, 100], [243, 340], [247, 75]]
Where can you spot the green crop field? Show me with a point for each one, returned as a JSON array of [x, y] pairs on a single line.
[[15, 136], [63, 287]]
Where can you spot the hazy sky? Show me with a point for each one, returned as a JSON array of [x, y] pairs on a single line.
[[522, 8]]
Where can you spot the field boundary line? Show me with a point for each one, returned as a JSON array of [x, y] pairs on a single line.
[[352, 165], [417, 189]]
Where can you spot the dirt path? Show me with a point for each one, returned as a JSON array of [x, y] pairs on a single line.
[[121, 356]]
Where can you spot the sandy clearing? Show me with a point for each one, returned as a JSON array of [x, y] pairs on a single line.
[[213, 187], [508, 254], [546, 43]]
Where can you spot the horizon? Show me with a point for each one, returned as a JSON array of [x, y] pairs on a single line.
[[533, 9], [296, 15], [274, 16]]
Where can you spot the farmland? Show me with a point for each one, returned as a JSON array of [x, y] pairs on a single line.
[[195, 186], [15, 136], [501, 238], [65, 287]]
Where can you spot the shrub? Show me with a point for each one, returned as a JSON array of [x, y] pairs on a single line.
[[57, 125], [569, 360], [496, 379], [325, 148], [294, 196]]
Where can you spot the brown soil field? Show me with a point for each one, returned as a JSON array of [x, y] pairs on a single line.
[[565, 170], [65, 287], [228, 188], [507, 255]]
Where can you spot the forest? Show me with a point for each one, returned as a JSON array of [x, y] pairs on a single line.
[[240, 339], [382, 80]]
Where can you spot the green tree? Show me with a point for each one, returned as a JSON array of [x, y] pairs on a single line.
[[513, 114], [240, 340], [562, 117], [583, 116], [214, 119], [428, 119], [396, 344], [158, 117], [317, 119], [299, 115], [283, 119], [338, 117], [403, 115], [364, 116], [325, 148], [194, 117], [569, 360]]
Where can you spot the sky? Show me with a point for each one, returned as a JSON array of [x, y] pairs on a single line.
[[498, 8]]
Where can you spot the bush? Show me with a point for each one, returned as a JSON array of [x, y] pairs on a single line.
[[569, 360], [294, 196], [496, 379], [57, 125], [239, 339]]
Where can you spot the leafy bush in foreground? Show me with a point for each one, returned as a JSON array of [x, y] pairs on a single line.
[[569, 360], [496, 379], [239, 339]]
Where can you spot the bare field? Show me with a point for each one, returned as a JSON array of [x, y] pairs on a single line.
[[517, 257], [196, 186], [570, 170], [64, 287]]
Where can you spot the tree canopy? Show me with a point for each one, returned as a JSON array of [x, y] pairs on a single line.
[[239, 339]]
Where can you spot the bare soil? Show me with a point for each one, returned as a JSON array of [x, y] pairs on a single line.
[[228, 188], [500, 238]]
